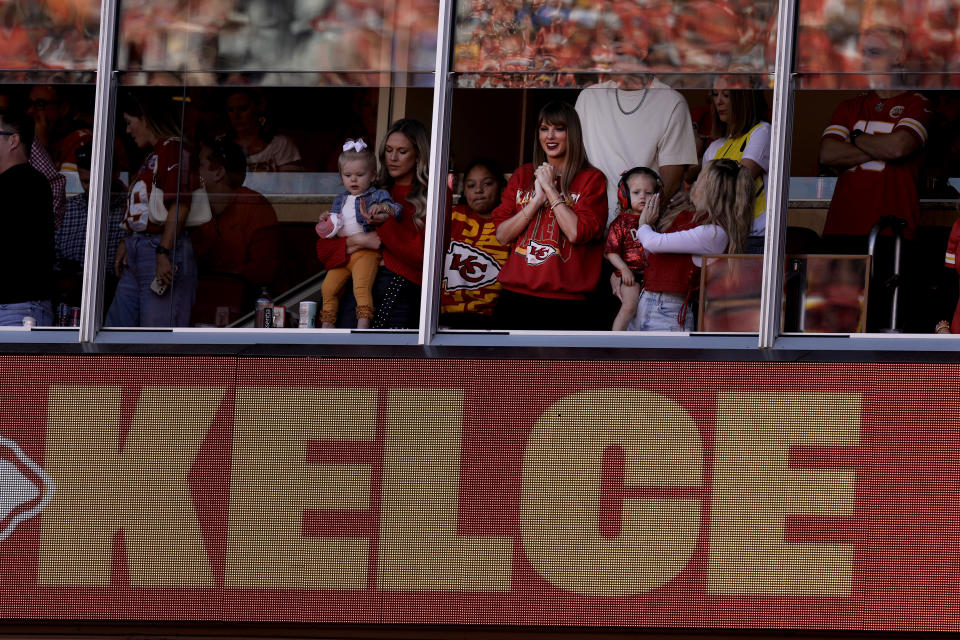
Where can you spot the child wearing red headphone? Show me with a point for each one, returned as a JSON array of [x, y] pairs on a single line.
[[638, 187]]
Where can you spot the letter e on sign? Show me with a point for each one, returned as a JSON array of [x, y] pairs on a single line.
[[754, 490]]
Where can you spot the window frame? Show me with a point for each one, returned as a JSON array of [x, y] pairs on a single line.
[[91, 332]]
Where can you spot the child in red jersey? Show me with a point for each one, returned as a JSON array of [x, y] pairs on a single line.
[[637, 186]]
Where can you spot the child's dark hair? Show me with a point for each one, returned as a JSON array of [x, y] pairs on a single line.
[[351, 152], [490, 165]]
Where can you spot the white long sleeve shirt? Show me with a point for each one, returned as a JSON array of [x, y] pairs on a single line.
[[704, 240]]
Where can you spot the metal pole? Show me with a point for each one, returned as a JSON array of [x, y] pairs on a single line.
[[778, 178], [101, 170], [437, 188]]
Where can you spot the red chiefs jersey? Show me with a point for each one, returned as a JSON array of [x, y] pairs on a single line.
[[167, 166], [874, 189], [622, 240], [674, 272], [472, 263], [542, 261]]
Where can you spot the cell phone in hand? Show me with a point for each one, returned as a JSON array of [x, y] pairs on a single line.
[[158, 287]]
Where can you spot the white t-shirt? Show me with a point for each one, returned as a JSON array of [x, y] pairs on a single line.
[[758, 150], [279, 151], [348, 215], [705, 240], [656, 134]]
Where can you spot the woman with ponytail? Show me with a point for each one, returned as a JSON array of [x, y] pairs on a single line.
[[719, 222]]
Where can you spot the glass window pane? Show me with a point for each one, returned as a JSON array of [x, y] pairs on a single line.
[[268, 168], [260, 99], [46, 137], [644, 97], [874, 160]]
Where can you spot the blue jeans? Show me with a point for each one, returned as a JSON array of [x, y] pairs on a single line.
[[135, 304], [661, 312], [12, 315]]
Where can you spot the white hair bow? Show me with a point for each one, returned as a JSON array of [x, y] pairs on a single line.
[[354, 145]]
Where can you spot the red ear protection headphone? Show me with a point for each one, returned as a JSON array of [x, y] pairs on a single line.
[[623, 191]]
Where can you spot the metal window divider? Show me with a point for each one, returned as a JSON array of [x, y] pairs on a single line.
[[101, 170], [437, 185], [778, 177]]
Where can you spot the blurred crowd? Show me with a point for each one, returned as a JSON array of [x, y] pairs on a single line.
[[206, 35], [542, 43], [538, 38], [516, 43], [829, 29]]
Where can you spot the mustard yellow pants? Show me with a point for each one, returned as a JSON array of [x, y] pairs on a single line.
[[362, 267]]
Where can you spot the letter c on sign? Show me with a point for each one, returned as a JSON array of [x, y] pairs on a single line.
[[560, 504]]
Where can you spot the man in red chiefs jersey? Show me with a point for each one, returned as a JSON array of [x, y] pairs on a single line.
[[874, 142]]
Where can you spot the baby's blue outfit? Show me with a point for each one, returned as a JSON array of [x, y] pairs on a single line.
[[370, 197]]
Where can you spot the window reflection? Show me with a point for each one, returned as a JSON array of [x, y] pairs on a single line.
[[548, 42], [299, 35], [49, 35], [841, 37]]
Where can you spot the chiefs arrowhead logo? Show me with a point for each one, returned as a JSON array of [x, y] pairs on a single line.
[[25, 488], [539, 253], [466, 267]]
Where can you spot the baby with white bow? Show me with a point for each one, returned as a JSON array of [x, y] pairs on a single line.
[[351, 213]]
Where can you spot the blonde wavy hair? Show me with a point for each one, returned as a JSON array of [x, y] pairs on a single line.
[[416, 133], [722, 195]]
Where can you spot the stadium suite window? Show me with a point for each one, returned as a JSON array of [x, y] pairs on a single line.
[[520, 77], [874, 151], [267, 164], [624, 67], [46, 107]]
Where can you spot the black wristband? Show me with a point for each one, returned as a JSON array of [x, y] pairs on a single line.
[[856, 133], [162, 250]]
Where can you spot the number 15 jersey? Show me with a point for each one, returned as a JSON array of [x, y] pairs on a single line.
[[877, 188]]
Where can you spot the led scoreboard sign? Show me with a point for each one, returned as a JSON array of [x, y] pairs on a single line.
[[508, 492]]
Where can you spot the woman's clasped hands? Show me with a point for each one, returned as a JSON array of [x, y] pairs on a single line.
[[545, 187]]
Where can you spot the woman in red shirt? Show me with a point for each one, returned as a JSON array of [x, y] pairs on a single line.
[[552, 217], [403, 156]]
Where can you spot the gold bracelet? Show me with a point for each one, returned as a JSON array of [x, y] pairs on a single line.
[[557, 202]]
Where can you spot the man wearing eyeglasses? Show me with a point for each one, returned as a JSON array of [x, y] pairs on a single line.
[[26, 246], [42, 162], [56, 126]]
